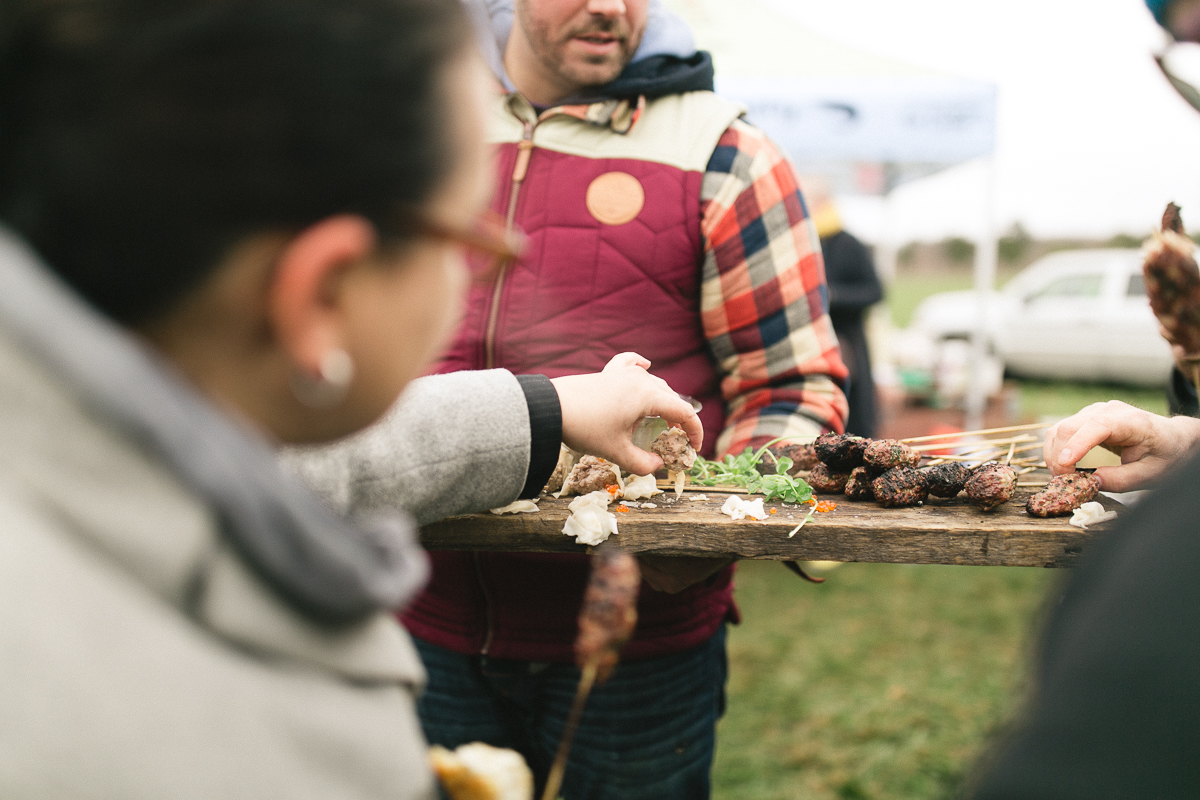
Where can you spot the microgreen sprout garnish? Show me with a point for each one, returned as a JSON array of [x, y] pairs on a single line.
[[806, 518], [742, 471]]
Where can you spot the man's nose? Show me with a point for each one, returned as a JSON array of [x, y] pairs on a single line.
[[606, 8]]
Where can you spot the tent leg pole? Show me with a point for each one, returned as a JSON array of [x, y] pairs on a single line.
[[985, 281]]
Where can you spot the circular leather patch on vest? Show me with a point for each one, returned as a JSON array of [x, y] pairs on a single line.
[[615, 198]]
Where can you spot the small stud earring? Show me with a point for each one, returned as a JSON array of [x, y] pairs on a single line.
[[329, 388]]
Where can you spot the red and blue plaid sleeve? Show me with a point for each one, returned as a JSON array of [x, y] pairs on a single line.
[[764, 303]]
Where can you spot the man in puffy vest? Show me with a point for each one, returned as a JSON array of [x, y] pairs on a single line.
[[660, 222]]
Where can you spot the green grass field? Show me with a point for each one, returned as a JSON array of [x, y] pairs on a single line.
[[885, 682], [908, 290], [1040, 399]]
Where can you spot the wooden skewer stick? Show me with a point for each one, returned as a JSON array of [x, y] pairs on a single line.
[[1034, 462], [988, 453], [1033, 483], [1000, 450], [554, 780], [921, 448], [964, 434], [970, 457], [1011, 448], [695, 487]]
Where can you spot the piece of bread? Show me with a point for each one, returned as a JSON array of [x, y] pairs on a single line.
[[478, 771]]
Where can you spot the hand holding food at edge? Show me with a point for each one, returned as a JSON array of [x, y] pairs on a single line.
[[609, 612], [1149, 443], [1173, 288], [600, 410]]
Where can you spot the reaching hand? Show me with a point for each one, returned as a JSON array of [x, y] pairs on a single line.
[[1148, 444], [600, 411]]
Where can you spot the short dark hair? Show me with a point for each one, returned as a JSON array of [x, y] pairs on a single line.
[[140, 139]]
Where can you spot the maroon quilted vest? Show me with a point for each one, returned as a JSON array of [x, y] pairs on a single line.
[[605, 272]]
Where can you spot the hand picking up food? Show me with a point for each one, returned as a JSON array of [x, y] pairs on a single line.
[[600, 411], [1148, 444]]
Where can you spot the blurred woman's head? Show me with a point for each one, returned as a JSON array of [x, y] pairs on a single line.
[[248, 184]]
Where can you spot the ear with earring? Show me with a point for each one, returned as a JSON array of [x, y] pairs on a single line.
[[329, 387]]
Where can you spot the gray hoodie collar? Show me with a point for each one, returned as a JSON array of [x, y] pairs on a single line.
[[329, 568], [666, 34]]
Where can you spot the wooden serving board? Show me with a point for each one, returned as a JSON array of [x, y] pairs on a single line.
[[938, 532]]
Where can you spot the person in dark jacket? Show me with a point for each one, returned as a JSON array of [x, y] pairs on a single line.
[[1114, 711], [853, 288], [1181, 392]]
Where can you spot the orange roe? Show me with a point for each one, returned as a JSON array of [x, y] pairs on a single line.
[[622, 508], [773, 511], [613, 490], [826, 506]]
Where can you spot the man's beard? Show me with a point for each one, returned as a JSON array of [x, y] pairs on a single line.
[[596, 70]]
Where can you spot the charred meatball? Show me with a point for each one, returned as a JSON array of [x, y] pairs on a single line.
[[946, 480], [803, 457], [899, 487], [1063, 495], [991, 484], [883, 454], [824, 481], [858, 487], [675, 449], [590, 474], [840, 452]]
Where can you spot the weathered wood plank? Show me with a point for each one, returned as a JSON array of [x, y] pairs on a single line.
[[939, 532]]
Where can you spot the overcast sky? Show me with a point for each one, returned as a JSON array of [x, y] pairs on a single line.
[[1091, 140]]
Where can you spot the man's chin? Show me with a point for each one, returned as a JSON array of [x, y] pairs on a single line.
[[591, 73]]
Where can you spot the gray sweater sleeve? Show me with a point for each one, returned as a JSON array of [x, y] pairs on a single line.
[[452, 444]]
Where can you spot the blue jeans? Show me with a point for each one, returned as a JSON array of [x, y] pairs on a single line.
[[647, 734]]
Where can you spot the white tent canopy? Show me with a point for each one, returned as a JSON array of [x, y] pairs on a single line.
[[922, 119], [825, 102]]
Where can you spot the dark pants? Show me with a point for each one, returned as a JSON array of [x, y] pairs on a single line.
[[647, 734]]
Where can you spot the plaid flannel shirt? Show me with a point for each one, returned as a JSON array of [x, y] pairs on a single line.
[[763, 300]]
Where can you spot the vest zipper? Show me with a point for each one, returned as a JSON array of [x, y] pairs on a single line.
[[524, 150]]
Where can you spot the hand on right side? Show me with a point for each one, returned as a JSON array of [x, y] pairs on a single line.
[[1149, 444]]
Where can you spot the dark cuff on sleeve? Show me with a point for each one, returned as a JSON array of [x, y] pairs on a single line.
[[545, 431], [1181, 396]]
